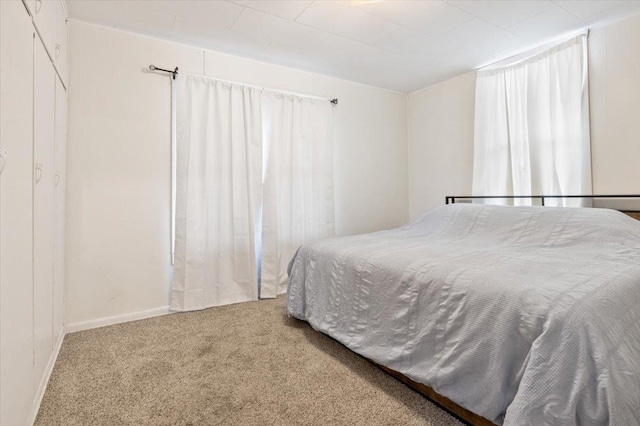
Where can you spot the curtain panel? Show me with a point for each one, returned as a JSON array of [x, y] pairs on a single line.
[[218, 193], [298, 203], [254, 181], [531, 133]]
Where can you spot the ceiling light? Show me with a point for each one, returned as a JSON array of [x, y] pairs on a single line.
[[362, 2]]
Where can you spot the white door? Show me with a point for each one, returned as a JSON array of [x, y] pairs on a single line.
[[16, 192], [43, 156], [45, 16], [61, 47], [59, 183]]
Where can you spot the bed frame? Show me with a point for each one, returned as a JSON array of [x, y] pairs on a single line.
[[443, 402], [632, 201]]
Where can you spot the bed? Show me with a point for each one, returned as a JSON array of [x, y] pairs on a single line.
[[515, 315]]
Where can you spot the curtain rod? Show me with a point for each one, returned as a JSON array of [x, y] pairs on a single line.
[[523, 56], [175, 73]]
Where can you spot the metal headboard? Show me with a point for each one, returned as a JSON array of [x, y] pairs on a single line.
[[542, 198]]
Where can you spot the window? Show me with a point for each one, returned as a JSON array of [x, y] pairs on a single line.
[[532, 126]]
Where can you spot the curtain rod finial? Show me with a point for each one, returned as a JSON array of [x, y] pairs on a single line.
[[334, 101]]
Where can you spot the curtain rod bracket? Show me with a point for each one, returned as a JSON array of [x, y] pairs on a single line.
[[174, 72], [334, 101]]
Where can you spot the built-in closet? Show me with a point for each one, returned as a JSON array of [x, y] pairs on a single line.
[[33, 126]]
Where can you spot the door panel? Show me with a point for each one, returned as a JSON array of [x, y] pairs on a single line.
[[50, 21], [45, 14], [60, 181], [61, 48], [43, 201], [16, 208]]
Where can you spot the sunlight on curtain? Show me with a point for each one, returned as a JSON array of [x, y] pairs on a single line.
[[531, 132]]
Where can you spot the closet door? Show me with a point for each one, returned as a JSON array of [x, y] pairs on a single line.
[[61, 46], [59, 183], [43, 157], [16, 192], [45, 15], [50, 21]]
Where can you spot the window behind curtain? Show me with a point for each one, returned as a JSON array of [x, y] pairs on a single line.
[[532, 126]]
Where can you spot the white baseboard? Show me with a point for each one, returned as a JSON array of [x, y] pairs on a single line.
[[45, 380], [116, 319]]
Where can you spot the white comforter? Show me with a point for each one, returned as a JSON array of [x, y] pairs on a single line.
[[524, 315]]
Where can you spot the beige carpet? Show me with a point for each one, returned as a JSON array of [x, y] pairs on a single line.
[[245, 364]]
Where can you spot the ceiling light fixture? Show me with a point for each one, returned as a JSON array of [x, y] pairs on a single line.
[[363, 2]]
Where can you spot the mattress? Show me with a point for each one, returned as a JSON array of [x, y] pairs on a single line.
[[523, 315]]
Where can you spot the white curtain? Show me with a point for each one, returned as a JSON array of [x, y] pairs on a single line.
[[254, 181], [298, 203], [218, 184], [532, 126]]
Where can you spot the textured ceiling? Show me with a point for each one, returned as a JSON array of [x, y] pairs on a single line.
[[393, 44]]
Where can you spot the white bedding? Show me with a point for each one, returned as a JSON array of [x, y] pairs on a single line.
[[524, 315]]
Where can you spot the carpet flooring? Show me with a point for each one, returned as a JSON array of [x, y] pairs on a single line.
[[244, 364]]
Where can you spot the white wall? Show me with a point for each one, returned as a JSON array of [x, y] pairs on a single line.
[[440, 142], [614, 83], [441, 124], [119, 161]]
